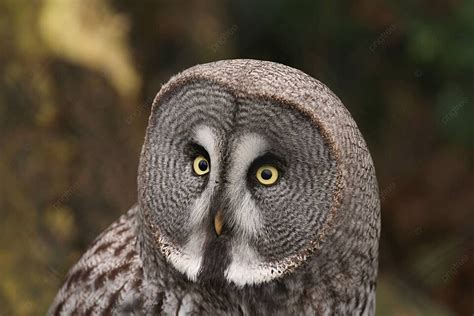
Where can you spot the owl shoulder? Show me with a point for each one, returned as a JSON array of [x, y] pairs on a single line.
[[109, 274]]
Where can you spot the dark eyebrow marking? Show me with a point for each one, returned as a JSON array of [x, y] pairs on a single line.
[[268, 158], [193, 150]]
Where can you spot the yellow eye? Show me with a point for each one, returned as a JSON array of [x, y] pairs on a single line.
[[267, 174], [201, 165]]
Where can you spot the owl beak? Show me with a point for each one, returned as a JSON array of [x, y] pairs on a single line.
[[218, 222]]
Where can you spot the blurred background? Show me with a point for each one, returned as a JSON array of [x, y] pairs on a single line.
[[77, 79]]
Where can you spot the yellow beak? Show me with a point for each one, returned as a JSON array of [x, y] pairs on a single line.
[[218, 222]]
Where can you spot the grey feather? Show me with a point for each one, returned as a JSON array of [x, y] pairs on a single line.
[[305, 245]]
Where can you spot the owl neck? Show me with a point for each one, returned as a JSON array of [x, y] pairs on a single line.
[[332, 281], [303, 294]]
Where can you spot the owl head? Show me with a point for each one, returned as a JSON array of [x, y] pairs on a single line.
[[251, 170]]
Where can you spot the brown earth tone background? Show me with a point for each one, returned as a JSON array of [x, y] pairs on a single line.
[[76, 83]]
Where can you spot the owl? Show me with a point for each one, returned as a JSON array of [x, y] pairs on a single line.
[[257, 195]]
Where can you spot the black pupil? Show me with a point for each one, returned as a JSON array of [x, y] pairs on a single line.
[[266, 174], [202, 165]]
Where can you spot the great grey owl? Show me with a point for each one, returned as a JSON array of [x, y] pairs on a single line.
[[256, 196]]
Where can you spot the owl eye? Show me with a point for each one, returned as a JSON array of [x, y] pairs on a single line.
[[267, 174], [200, 165]]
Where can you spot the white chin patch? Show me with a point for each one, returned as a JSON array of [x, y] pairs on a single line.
[[247, 268], [188, 260]]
